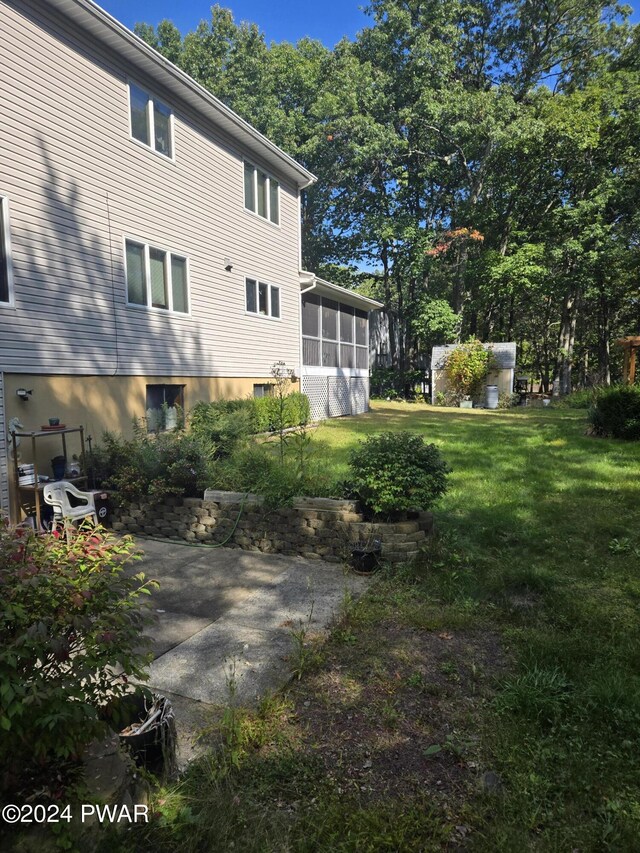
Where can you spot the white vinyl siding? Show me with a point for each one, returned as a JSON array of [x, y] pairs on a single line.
[[156, 278], [261, 193], [151, 121], [78, 186], [6, 289]]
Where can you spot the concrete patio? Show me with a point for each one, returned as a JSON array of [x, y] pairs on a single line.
[[218, 608]]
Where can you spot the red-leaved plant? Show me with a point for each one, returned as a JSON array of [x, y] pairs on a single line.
[[71, 634]]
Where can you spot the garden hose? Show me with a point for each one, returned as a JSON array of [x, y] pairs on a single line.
[[199, 544]]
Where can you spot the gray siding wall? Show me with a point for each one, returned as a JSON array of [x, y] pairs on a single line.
[[4, 462], [77, 185]]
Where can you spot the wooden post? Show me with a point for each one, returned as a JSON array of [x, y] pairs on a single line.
[[625, 366], [632, 363]]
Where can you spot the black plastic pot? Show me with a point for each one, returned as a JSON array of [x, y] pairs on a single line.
[[365, 558], [146, 726]]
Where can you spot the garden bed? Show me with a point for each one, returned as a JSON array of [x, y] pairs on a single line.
[[315, 528]]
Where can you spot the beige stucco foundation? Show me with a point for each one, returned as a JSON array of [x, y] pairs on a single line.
[[100, 403]]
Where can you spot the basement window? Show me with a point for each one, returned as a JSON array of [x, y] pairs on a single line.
[[164, 407]]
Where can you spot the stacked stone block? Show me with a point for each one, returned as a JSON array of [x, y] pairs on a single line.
[[316, 528]]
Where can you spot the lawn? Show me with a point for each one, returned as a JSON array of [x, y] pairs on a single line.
[[486, 698]]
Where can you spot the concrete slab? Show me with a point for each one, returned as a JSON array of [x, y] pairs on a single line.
[[171, 628], [229, 614], [202, 667]]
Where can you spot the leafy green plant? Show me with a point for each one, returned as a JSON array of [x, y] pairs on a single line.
[[397, 471], [537, 693], [508, 400], [153, 466], [616, 413], [224, 424], [583, 398], [466, 368], [447, 398], [70, 638]]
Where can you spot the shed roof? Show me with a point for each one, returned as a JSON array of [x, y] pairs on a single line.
[[503, 353]]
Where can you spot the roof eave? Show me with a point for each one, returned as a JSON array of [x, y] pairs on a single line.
[[307, 279]]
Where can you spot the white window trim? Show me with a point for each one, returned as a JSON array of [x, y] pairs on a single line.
[[151, 123], [169, 253], [270, 285], [270, 177], [6, 237]]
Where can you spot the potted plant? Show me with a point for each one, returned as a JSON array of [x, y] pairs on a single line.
[[365, 556]]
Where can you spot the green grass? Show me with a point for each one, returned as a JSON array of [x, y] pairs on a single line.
[[512, 646]]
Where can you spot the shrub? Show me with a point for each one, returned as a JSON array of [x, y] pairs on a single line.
[[616, 413], [257, 468], [223, 424], [448, 398], [69, 621], [466, 367], [273, 412], [508, 400], [584, 398], [153, 466], [397, 471]]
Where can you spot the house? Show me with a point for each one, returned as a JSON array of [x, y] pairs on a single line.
[[502, 374], [150, 249]]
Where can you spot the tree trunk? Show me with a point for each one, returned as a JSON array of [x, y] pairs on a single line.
[[604, 332], [566, 341]]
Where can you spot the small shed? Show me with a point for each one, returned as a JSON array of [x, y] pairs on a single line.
[[630, 345], [504, 356]]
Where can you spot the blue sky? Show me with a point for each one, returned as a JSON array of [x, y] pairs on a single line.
[[284, 19]]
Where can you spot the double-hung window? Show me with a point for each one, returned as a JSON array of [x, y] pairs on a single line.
[[262, 298], [156, 278], [151, 121], [261, 193], [5, 256]]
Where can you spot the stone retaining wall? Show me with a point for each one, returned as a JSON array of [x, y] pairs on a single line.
[[316, 528]]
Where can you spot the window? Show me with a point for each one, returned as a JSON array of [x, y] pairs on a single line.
[[5, 255], [362, 339], [151, 121], [156, 278], [330, 319], [164, 407], [262, 390], [334, 334], [262, 298], [261, 194]]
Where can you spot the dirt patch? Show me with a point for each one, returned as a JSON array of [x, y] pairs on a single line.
[[392, 713]]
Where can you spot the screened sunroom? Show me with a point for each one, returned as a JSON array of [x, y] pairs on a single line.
[[335, 348]]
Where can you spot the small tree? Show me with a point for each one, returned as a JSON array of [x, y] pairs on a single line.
[[466, 368], [282, 378]]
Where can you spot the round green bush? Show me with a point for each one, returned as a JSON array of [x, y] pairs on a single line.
[[397, 471], [616, 413]]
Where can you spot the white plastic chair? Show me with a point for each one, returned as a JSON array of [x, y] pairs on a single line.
[[57, 495]]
